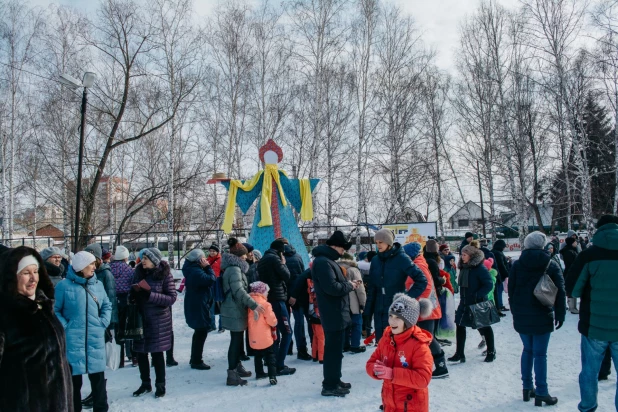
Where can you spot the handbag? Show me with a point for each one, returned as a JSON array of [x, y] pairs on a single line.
[[545, 290], [480, 315], [112, 355], [134, 326]]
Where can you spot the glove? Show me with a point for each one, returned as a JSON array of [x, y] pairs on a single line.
[[558, 324], [382, 371]]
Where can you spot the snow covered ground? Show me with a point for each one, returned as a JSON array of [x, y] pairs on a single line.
[[473, 386]]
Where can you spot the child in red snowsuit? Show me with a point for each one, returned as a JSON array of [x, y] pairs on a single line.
[[402, 359], [317, 345]]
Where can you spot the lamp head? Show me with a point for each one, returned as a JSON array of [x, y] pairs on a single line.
[[89, 78]]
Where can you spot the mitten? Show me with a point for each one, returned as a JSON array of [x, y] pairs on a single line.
[[382, 371]]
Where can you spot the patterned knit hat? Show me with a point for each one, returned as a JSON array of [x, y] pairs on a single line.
[[259, 287], [153, 254], [408, 309]]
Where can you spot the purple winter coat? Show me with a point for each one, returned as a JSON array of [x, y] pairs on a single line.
[[123, 276], [157, 310]]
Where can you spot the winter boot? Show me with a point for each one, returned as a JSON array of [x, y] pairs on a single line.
[[482, 343], [441, 370], [273, 381], [233, 379], [360, 349], [338, 391], [160, 392], [491, 356], [457, 358], [242, 372], [200, 366], [548, 400], [344, 385], [88, 402], [303, 355], [145, 388], [528, 393], [286, 371], [170, 361], [573, 306]]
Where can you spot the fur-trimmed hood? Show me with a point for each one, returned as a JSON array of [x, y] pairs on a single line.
[[347, 263], [228, 260], [476, 257]]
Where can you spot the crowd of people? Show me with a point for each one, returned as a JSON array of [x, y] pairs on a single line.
[[57, 314]]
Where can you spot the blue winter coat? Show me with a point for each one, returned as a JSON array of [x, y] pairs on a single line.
[[198, 296], [85, 328], [530, 316], [387, 276]]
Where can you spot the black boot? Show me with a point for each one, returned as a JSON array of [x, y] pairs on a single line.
[[88, 402], [160, 392], [303, 355], [233, 379], [457, 358], [145, 388], [528, 393], [548, 400], [441, 370], [491, 356], [200, 366]]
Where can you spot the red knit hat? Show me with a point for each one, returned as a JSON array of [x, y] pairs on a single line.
[[443, 246]]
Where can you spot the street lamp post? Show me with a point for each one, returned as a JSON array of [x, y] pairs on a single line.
[[88, 81]]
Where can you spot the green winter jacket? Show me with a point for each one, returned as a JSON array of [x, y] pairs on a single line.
[[593, 277], [237, 300]]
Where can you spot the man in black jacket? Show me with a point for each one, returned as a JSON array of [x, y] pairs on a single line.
[[502, 266], [296, 266], [273, 271], [332, 290]]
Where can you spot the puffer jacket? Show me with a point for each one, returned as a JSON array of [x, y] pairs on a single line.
[[295, 265], [84, 321], [531, 317], [501, 263], [275, 274], [157, 310], [123, 276], [215, 264], [479, 283], [430, 290], [260, 330], [105, 276], [237, 299], [54, 272], [199, 295], [409, 355], [388, 275], [358, 297]]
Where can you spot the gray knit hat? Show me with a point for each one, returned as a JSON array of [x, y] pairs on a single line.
[[257, 254], [51, 251], [535, 240], [431, 246], [385, 235], [95, 249], [408, 309], [195, 255], [153, 254]]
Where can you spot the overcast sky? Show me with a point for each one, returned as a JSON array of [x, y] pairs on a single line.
[[438, 19]]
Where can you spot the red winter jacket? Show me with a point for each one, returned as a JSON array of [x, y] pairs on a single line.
[[447, 284], [215, 264], [409, 355], [430, 290]]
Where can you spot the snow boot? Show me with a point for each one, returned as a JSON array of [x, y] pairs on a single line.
[[145, 388], [242, 372], [491, 356], [528, 393], [303, 355], [286, 371], [338, 391], [457, 358], [573, 306], [272, 380], [441, 370], [160, 392], [200, 366], [360, 349], [260, 375], [344, 385], [233, 379], [88, 402], [548, 400]]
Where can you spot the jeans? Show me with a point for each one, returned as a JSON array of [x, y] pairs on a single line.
[[353, 338], [535, 354], [197, 346], [299, 329], [268, 355], [284, 335], [333, 356], [380, 321], [606, 366], [144, 367], [498, 294], [235, 349], [99, 392], [593, 352]]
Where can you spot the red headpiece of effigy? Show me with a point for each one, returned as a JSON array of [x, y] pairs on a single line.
[[271, 146]]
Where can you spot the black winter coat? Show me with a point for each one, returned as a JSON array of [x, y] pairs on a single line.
[[299, 290], [489, 254], [569, 254], [434, 269], [199, 294], [295, 265], [479, 283], [252, 274], [502, 264], [273, 272], [332, 289], [387, 276], [530, 317], [34, 372]]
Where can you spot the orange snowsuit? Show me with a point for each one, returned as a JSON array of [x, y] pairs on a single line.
[[409, 355], [430, 291], [260, 330]]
